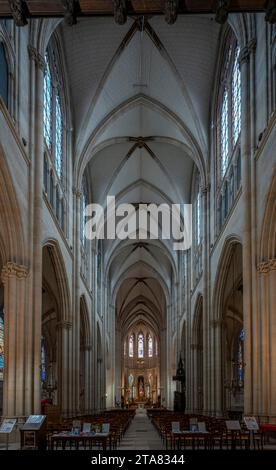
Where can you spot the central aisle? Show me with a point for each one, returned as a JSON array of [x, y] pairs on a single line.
[[141, 434]]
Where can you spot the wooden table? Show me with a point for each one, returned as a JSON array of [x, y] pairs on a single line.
[[74, 440], [193, 436]]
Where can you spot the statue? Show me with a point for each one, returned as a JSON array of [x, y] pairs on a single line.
[[171, 10], [19, 12], [222, 11], [120, 11], [271, 12], [70, 15]]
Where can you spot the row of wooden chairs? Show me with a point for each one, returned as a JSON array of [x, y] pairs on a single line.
[[118, 421], [217, 434]]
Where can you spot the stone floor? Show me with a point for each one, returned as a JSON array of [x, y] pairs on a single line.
[[141, 434]]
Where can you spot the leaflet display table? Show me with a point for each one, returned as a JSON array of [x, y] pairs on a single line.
[[6, 428], [85, 440], [33, 433]]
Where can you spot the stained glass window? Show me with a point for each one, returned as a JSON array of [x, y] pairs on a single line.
[[1, 344], [198, 218], [240, 362], [48, 112], [150, 346], [224, 140], [140, 345], [43, 361], [52, 116], [131, 346], [84, 202], [230, 111], [58, 155], [4, 74], [236, 98]]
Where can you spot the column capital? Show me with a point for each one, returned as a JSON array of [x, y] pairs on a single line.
[[36, 57], [64, 324], [266, 266], [11, 270], [77, 192], [247, 50], [252, 44], [205, 189], [244, 55]]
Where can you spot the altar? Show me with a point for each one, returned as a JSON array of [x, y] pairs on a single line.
[[140, 404]]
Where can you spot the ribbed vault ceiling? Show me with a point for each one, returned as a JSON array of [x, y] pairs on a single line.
[[140, 97]]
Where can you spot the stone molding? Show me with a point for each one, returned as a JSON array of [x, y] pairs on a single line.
[[36, 57], [247, 51], [266, 266], [77, 192], [205, 189], [13, 270]]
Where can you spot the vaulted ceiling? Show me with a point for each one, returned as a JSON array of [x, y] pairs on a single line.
[[140, 97]]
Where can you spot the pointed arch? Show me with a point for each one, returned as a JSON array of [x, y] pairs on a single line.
[[11, 227], [61, 276], [268, 234], [222, 272], [198, 310], [85, 322]]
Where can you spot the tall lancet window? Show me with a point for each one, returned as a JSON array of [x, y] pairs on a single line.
[[4, 75], [53, 115], [240, 359], [140, 345], [224, 139], [198, 217], [150, 346], [48, 114], [43, 361], [83, 204], [236, 98], [59, 146], [230, 105], [131, 346]]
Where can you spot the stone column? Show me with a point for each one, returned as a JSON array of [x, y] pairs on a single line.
[[34, 348], [247, 226], [266, 405], [63, 362], [14, 278], [193, 387], [217, 367], [87, 381], [206, 292], [75, 351]]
